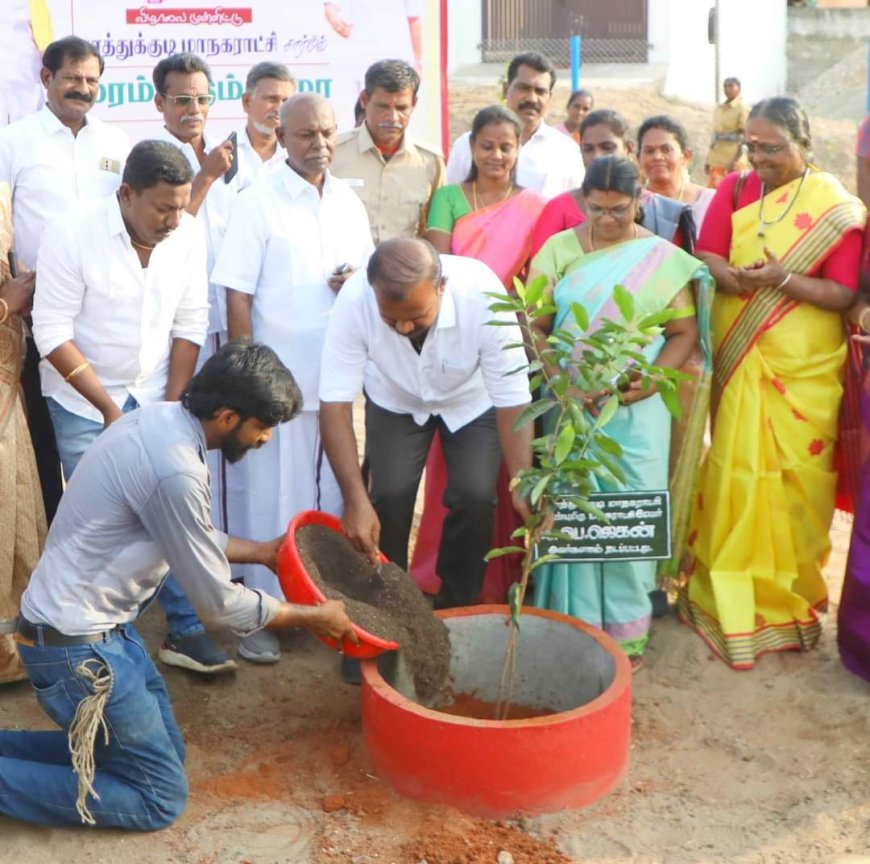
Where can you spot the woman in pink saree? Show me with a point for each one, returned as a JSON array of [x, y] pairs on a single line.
[[490, 218]]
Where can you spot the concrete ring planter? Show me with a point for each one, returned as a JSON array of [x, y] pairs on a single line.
[[498, 769]]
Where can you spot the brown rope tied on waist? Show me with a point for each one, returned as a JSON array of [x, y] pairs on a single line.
[[89, 717]]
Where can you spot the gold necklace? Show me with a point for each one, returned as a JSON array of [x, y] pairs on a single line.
[[592, 238], [474, 203], [764, 225], [143, 246]]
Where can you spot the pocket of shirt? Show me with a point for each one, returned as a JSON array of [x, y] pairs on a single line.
[[456, 372]]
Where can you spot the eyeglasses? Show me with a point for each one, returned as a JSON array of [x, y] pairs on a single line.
[[616, 212], [767, 149], [185, 100]]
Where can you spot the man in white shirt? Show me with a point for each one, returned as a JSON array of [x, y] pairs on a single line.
[[119, 314], [183, 95], [413, 333], [54, 161], [549, 162], [293, 240], [268, 86], [137, 505], [182, 85]]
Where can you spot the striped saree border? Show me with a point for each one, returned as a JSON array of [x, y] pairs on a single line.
[[742, 650]]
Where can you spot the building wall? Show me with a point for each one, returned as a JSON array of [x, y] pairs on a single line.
[[752, 47], [464, 32]]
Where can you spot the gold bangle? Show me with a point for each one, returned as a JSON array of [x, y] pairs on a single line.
[[862, 318], [5, 311], [76, 371]]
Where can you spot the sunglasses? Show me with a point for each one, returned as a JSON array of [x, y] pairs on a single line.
[[186, 100]]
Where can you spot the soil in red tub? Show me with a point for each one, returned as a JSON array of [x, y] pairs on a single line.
[[469, 705], [384, 602]]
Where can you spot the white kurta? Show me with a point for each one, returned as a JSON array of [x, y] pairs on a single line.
[[283, 242]]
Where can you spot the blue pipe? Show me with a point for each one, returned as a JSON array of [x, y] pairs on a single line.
[[577, 59]]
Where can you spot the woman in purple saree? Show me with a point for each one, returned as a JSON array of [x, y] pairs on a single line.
[[853, 620]]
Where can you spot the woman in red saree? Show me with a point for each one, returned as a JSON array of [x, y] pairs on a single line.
[[490, 218], [784, 245]]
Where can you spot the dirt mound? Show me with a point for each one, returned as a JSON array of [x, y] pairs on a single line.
[[383, 601]]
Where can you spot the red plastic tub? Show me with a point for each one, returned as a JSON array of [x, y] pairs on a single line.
[[300, 588]]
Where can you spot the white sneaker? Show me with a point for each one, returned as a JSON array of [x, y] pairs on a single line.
[[260, 647]]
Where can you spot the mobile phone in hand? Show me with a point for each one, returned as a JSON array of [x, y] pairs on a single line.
[[234, 164], [13, 264]]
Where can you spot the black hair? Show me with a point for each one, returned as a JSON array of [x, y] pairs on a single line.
[[787, 113], [398, 265], [248, 378], [577, 94], [153, 162], [732, 79], [606, 117], [267, 69], [69, 48], [185, 63], [534, 60], [612, 174], [667, 124], [392, 76], [490, 116]]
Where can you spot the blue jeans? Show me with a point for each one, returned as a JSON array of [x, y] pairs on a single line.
[[74, 434], [140, 771]]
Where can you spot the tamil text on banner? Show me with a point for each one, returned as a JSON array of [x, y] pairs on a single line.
[[327, 46]]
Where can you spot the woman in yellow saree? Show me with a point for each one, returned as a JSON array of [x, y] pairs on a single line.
[[784, 245], [22, 518]]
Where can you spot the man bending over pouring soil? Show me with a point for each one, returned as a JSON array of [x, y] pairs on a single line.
[[137, 505], [413, 331]]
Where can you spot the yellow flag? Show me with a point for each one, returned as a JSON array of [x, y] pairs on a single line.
[[40, 23]]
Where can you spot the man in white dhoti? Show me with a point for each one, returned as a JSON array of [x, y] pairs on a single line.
[[292, 241]]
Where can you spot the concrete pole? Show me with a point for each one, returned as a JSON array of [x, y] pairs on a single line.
[[718, 52]]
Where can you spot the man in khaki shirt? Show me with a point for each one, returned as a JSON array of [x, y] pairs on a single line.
[[394, 175], [729, 127]]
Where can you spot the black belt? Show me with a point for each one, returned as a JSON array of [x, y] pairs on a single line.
[[42, 634]]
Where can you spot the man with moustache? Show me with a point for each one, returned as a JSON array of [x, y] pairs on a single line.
[[293, 240], [549, 162], [394, 175], [120, 312], [412, 333], [137, 505], [55, 160], [268, 86], [182, 85]]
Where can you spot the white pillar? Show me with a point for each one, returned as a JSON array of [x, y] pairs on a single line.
[[464, 34], [752, 47]]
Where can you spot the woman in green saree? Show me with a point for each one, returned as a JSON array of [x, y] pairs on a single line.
[[582, 265]]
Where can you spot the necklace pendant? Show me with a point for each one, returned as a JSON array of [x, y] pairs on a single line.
[[761, 233]]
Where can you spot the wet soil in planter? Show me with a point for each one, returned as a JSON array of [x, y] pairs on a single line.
[[469, 705], [386, 604]]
